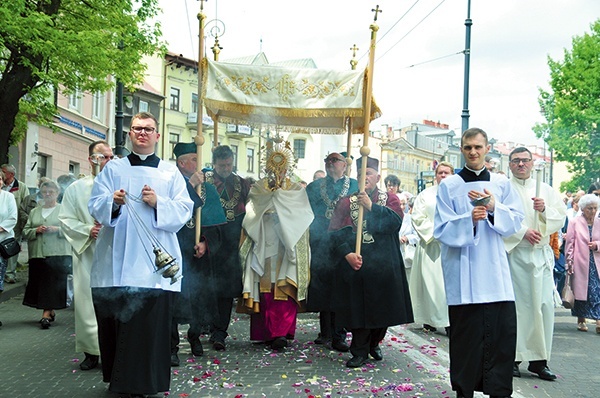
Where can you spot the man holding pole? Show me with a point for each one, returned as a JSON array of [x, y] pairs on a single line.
[[196, 305], [371, 290], [324, 195], [531, 264], [233, 193]]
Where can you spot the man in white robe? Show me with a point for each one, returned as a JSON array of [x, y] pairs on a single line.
[[81, 231], [476, 272], [426, 281], [531, 264], [141, 202], [276, 254]]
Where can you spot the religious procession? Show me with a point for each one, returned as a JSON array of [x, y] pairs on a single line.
[[161, 258]]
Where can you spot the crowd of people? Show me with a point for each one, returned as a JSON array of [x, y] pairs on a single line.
[[151, 246]]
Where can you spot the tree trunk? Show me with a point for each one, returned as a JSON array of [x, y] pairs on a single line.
[[15, 83]]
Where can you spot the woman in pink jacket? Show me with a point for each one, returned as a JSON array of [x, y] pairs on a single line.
[[583, 261]]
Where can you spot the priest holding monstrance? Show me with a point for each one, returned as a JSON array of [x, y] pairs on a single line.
[[371, 289], [276, 251]]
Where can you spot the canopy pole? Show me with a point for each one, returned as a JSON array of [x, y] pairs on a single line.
[[364, 150], [199, 139], [216, 51], [349, 148], [353, 63]]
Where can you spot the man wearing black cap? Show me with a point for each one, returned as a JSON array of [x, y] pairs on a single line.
[[197, 304], [323, 195], [371, 290]]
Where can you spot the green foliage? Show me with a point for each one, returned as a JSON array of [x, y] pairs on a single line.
[[73, 44], [572, 109]]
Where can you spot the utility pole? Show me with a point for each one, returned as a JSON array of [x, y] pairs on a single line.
[[465, 111]]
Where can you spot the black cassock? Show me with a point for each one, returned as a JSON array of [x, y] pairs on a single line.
[[377, 295]]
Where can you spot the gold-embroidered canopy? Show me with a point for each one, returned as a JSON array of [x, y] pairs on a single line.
[[309, 100]]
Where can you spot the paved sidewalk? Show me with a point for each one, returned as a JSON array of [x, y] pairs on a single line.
[[42, 363]]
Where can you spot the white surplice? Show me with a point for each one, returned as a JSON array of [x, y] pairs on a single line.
[[124, 254], [76, 223], [427, 291], [532, 271], [475, 263]]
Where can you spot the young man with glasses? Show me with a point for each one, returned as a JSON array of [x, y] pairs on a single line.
[[139, 200], [531, 264]]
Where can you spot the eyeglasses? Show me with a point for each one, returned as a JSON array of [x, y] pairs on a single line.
[[98, 157], [596, 193], [140, 129], [517, 161], [333, 160]]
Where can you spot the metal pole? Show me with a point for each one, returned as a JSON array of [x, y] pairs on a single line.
[[465, 111], [119, 121]]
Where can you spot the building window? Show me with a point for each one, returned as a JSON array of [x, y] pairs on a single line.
[[173, 140], [250, 158], [194, 103], [98, 106], [74, 169], [299, 148], [234, 149], [42, 166], [143, 106], [174, 104], [75, 101]]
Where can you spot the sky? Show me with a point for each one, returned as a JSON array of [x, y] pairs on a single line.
[[419, 67]]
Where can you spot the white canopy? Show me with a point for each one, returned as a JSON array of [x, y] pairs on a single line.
[[308, 100]]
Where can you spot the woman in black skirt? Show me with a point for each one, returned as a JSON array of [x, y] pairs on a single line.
[[49, 257]]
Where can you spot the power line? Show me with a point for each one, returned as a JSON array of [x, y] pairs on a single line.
[[414, 27], [435, 59], [187, 14], [392, 27]]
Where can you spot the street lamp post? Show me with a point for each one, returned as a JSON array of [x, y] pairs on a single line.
[[465, 111]]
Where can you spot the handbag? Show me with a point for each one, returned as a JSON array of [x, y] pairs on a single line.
[[9, 247], [568, 298]]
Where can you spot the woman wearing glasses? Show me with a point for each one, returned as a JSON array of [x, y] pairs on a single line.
[[583, 259], [49, 257]]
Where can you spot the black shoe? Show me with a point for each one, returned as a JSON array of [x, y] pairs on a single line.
[[219, 345], [174, 359], [340, 345], [90, 362], [321, 340], [45, 322], [544, 373], [376, 353], [279, 344], [196, 346], [356, 361], [516, 371], [428, 328]]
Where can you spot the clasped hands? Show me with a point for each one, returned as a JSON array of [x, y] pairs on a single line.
[[481, 212]]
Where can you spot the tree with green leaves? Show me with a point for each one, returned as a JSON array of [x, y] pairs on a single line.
[[68, 44], [572, 110]]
